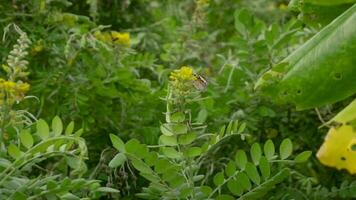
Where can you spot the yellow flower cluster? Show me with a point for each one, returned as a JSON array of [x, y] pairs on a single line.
[[202, 2], [114, 37], [182, 81], [183, 74], [12, 90]]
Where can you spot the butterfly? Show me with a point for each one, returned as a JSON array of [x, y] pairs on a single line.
[[200, 83]]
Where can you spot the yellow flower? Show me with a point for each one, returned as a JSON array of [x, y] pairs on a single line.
[[102, 36], [8, 85], [185, 73], [202, 2], [283, 6], [38, 48], [22, 87], [121, 38]]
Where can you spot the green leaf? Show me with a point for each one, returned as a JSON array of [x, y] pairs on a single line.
[[170, 129], [235, 187], [218, 178], [170, 152], [261, 190], [187, 138], [256, 153], [286, 148], [252, 173], [242, 128], [70, 128], [224, 197], [244, 180], [107, 190], [69, 196], [177, 117], [229, 128], [165, 129], [241, 159], [13, 151], [118, 160], [302, 157], [74, 162], [42, 129], [269, 149], [265, 168], [346, 115], [198, 177], [151, 177], [26, 138], [206, 190], [168, 140], [79, 132], [230, 168], [193, 152], [57, 126], [179, 128], [202, 115], [316, 65], [140, 165], [117, 143]]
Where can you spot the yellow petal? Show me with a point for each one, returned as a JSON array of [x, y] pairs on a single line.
[[339, 148]]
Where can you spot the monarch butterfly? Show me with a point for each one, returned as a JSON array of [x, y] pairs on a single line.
[[200, 83]]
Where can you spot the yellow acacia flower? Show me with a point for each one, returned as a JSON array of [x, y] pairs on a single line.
[[102, 36], [121, 38], [8, 85], [182, 81], [22, 87], [185, 73], [283, 6], [202, 2], [12, 91]]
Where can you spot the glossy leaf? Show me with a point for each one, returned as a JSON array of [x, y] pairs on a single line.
[[316, 65]]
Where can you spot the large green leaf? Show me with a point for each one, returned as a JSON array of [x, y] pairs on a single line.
[[320, 72]]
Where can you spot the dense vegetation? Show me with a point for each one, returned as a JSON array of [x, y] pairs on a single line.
[[177, 99]]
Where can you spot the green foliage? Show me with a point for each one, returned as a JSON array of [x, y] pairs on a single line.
[[16, 184], [106, 65], [290, 80]]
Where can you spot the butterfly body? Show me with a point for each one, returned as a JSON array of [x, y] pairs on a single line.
[[200, 83]]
